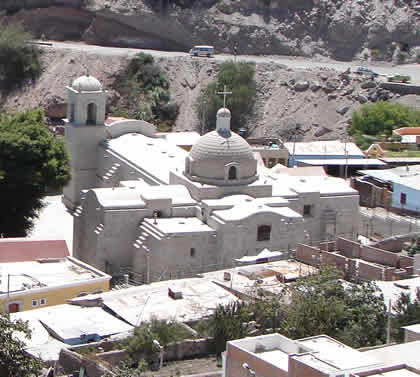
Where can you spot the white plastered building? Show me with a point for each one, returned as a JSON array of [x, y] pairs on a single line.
[[141, 201]]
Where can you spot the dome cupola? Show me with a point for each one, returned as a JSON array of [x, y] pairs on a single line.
[[221, 157], [86, 84]]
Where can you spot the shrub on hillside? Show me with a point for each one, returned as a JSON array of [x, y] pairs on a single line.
[[19, 60], [239, 78], [145, 93]]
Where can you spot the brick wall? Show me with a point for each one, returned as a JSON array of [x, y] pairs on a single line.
[[372, 254], [308, 254], [334, 259], [370, 272], [350, 249], [405, 261]]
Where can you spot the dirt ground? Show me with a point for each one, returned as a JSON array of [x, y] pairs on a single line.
[[187, 367]]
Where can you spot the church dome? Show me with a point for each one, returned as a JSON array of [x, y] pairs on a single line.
[[87, 84], [217, 146], [221, 158]]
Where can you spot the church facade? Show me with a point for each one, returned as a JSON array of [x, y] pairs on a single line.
[[142, 202]]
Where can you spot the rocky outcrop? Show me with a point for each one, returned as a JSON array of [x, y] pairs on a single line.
[[343, 29]]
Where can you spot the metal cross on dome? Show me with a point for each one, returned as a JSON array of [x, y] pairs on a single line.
[[225, 93]]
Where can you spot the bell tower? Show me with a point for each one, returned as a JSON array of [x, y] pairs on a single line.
[[84, 131]]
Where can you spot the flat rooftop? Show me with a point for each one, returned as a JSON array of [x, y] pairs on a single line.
[[179, 225], [156, 156], [20, 276], [139, 304], [405, 353], [244, 279], [331, 356]]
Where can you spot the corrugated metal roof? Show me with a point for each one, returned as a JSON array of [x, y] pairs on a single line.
[[324, 148], [23, 250], [343, 162]]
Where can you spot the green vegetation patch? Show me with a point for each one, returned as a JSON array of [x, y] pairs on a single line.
[[321, 304], [378, 120], [145, 94], [19, 60], [239, 78], [163, 331], [32, 160], [399, 78]]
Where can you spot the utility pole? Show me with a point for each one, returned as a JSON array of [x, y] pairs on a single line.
[[388, 327]]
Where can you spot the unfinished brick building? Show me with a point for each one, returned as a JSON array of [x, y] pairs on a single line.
[[358, 261]]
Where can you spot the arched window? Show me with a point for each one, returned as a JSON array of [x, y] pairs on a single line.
[[91, 113], [232, 172], [263, 233]]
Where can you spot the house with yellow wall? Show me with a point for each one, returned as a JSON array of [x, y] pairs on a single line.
[[41, 273]]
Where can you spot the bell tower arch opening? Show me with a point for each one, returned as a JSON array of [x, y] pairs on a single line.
[[91, 112]]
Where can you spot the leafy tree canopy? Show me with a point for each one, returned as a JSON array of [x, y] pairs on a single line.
[[324, 304], [145, 93], [14, 362], [381, 118], [19, 60], [32, 160], [321, 304], [407, 312], [239, 79]]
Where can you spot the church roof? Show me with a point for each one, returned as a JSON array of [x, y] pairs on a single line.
[[87, 84], [215, 145]]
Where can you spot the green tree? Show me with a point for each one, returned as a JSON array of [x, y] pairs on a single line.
[[239, 78], [145, 93], [163, 331], [407, 312], [14, 361], [381, 118], [32, 160], [19, 60], [324, 304]]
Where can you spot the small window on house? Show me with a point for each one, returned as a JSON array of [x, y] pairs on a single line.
[[307, 210], [232, 172], [34, 302], [192, 252], [403, 198], [42, 301], [264, 233]]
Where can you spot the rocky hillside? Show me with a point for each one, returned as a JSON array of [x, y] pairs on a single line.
[[342, 29], [312, 104]]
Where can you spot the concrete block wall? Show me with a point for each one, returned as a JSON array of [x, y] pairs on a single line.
[[350, 249]]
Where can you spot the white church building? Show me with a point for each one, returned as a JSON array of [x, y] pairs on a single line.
[[141, 201]]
